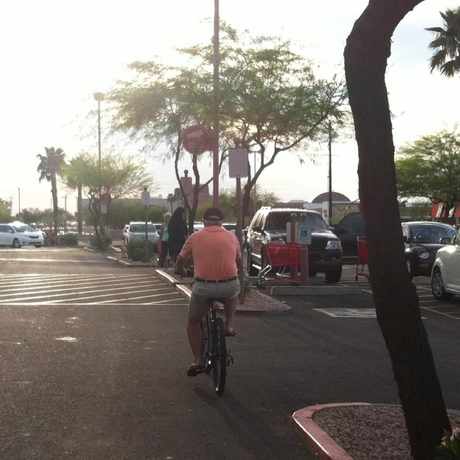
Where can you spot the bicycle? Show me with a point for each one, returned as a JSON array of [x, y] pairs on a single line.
[[215, 358]]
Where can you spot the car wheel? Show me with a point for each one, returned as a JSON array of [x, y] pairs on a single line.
[[38, 245], [16, 243], [437, 286], [333, 276]]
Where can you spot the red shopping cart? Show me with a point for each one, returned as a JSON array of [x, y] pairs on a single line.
[[363, 258], [283, 259]]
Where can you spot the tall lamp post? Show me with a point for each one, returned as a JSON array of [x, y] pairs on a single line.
[[216, 62], [99, 97], [330, 172]]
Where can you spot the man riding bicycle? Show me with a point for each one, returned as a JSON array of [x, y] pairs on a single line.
[[215, 252]]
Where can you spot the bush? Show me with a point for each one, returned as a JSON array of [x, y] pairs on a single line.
[[101, 242], [450, 446], [136, 250], [67, 239]]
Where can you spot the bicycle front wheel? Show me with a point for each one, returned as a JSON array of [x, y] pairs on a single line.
[[219, 369]]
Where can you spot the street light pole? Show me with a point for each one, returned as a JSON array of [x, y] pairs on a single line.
[[19, 200], [330, 171], [99, 97], [216, 62]]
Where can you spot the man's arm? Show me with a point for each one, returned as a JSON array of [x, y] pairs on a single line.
[[183, 257]]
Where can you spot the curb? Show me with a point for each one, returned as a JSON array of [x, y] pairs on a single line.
[[241, 308], [128, 264], [314, 290], [319, 442]]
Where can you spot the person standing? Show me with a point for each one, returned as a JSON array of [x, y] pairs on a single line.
[[177, 232]]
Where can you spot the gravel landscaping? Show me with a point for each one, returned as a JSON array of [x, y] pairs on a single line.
[[376, 431]]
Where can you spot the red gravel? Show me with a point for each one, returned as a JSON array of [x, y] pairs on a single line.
[[376, 431]]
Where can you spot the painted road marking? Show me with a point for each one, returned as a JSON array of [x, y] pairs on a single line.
[[348, 312], [443, 313], [90, 289]]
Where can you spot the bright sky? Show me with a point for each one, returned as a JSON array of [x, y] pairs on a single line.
[[56, 54]]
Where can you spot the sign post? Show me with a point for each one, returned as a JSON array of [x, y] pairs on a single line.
[[146, 201], [238, 168]]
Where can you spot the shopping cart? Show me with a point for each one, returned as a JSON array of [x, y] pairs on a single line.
[[283, 260], [363, 258]]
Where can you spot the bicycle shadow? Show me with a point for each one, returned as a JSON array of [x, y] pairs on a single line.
[[253, 434]]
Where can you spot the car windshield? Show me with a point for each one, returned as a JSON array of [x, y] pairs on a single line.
[[21, 228], [430, 234], [140, 228], [276, 221]]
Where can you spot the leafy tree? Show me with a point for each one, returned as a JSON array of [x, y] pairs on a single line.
[[119, 177], [269, 101], [446, 45], [398, 312], [49, 167], [5, 210], [430, 168], [123, 211]]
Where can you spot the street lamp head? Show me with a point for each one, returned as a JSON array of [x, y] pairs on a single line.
[[99, 97]]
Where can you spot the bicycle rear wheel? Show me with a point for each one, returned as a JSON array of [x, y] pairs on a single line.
[[219, 368]]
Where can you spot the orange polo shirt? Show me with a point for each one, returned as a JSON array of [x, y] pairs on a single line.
[[214, 251]]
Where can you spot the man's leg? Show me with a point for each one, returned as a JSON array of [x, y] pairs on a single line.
[[229, 308], [198, 308], [194, 338]]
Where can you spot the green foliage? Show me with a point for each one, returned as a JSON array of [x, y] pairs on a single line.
[[5, 211], [136, 250], [123, 211], [446, 44], [45, 216], [67, 239], [450, 446], [430, 168], [269, 99]]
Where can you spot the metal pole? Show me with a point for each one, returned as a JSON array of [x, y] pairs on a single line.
[[330, 171], [65, 213], [99, 97], [19, 200], [216, 61]]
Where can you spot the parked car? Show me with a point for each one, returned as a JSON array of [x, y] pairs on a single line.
[[445, 275], [229, 226], [348, 230], [9, 236], [136, 231], [29, 235], [269, 224], [422, 241]]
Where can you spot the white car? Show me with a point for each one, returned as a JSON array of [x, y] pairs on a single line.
[[29, 235], [136, 231], [10, 237], [445, 275]]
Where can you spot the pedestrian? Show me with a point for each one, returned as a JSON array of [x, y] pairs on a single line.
[[164, 239], [177, 232]]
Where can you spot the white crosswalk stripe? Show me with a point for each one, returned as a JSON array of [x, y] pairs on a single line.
[[87, 289]]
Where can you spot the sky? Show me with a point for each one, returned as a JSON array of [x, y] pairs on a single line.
[[56, 54]]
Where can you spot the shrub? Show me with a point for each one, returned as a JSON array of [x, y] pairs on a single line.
[[67, 239], [450, 446], [136, 250]]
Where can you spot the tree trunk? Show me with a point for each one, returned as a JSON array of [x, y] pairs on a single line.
[[196, 193], [55, 203], [79, 209], [368, 48]]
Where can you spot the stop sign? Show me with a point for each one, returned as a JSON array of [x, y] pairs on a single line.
[[198, 139]]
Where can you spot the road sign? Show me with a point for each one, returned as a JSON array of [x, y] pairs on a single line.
[[238, 165], [198, 139]]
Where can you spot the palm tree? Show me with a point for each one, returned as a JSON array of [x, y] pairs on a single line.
[[447, 44], [49, 167], [75, 174]]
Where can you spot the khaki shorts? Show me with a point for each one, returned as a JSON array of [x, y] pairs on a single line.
[[203, 293]]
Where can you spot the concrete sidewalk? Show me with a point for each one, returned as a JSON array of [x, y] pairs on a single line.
[[255, 302]]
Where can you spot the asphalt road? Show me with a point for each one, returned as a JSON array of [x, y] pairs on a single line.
[[93, 368]]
